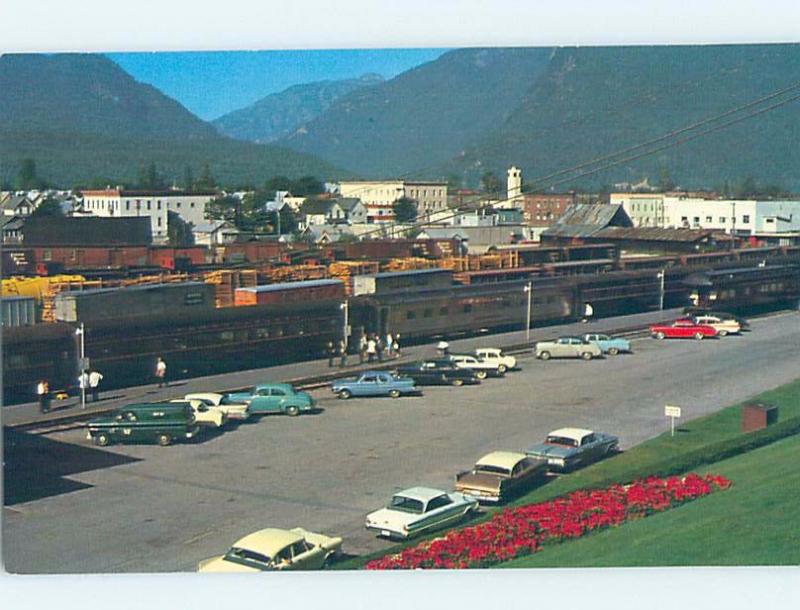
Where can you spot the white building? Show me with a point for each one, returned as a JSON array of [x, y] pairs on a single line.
[[644, 209], [379, 196], [190, 207]]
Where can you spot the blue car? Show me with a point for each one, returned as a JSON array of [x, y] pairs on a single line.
[[374, 383], [610, 345]]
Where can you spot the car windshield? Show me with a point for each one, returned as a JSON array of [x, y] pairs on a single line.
[[488, 468], [407, 505], [246, 556], [561, 440]]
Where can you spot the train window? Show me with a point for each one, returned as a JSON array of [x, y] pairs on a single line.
[[410, 315], [427, 313], [467, 308], [443, 311], [262, 333], [226, 335]]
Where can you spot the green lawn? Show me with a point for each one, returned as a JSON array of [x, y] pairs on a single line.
[[755, 522]]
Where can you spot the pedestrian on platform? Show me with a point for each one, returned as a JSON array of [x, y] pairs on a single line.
[[95, 377], [330, 349], [372, 348], [342, 353], [362, 348], [43, 391], [379, 348], [83, 383], [443, 347], [389, 345], [588, 312], [161, 372], [396, 345]]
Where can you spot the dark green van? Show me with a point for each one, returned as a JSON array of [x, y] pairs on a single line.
[[159, 422]]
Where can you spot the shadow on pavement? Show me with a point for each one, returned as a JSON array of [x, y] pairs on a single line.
[[35, 466]]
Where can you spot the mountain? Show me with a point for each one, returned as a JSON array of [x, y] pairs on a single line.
[[279, 114], [83, 119], [478, 110], [594, 101], [424, 116]]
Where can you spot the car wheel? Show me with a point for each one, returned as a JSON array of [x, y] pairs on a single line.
[[502, 369], [612, 449], [481, 374], [545, 355], [457, 382], [164, 439], [345, 394], [293, 410], [394, 393], [723, 333], [586, 355], [698, 336], [613, 351], [102, 440], [660, 336]]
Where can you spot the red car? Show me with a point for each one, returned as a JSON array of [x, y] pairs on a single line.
[[685, 327]]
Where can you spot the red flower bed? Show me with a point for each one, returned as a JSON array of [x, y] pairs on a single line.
[[524, 530]]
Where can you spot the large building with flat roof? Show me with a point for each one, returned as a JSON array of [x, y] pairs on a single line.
[[379, 196]]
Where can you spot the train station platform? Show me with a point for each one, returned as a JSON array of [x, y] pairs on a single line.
[[27, 414]]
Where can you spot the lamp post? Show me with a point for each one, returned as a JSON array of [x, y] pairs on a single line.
[[345, 310], [529, 289], [80, 331], [660, 276]]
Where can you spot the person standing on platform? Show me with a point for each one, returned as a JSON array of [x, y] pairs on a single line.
[[379, 348], [331, 351], [371, 348], [342, 353], [396, 345], [43, 391], [389, 345], [362, 348], [161, 372], [95, 377]]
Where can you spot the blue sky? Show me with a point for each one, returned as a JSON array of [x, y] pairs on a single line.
[[211, 84]]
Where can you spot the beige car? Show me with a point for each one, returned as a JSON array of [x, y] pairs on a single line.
[[723, 327], [205, 415], [500, 474], [276, 549], [233, 410]]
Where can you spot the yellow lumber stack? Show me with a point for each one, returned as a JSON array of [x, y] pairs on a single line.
[[294, 273], [345, 270], [410, 264]]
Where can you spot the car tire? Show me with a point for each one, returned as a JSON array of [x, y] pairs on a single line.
[[612, 450], [102, 440], [345, 394], [545, 355], [660, 336], [457, 382], [613, 351], [502, 369], [723, 333], [699, 336], [293, 410], [164, 439], [481, 375], [394, 393], [587, 356]]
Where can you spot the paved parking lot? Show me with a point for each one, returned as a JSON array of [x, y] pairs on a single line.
[[147, 508]]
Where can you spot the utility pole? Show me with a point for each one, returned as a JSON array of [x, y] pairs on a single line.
[[529, 290], [81, 333], [345, 309], [661, 275]]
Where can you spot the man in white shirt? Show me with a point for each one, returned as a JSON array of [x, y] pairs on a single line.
[[94, 383]]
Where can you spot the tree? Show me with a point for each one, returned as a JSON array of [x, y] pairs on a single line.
[[283, 222], [405, 210], [305, 186], [179, 232], [665, 181], [48, 207], [206, 181], [490, 183], [223, 208], [188, 178], [27, 179]]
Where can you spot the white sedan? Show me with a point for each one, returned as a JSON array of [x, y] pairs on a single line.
[[481, 368], [233, 409], [418, 510], [496, 356]]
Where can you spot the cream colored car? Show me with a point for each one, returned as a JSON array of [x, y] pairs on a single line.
[[234, 410], [205, 415], [723, 327], [276, 549]]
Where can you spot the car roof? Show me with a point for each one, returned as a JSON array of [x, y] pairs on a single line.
[[503, 459], [284, 386], [571, 337], [423, 494], [573, 433], [268, 541]]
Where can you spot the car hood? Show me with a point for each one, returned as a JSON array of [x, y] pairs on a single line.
[[550, 451], [392, 518]]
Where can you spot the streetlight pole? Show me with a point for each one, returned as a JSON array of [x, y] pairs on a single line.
[[529, 290], [345, 309], [81, 333], [661, 275]]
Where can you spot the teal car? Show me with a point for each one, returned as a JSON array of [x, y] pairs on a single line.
[[610, 345], [274, 398]]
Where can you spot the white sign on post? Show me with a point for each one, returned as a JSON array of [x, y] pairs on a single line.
[[672, 413]]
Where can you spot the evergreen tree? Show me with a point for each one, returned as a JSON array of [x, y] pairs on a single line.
[[48, 207], [206, 181], [188, 178], [490, 183], [405, 210], [27, 179]]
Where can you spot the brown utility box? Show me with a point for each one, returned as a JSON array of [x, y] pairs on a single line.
[[757, 416]]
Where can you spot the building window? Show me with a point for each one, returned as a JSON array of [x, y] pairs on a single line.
[[684, 219], [191, 205], [148, 204], [708, 218], [770, 220], [158, 204], [696, 220], [410, 315], [177, 205], [722, 220], [159, 221], [746, 219], [127, 205]]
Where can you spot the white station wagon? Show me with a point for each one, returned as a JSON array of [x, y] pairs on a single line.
[[234, 410], [496, 356], [418, 510]]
